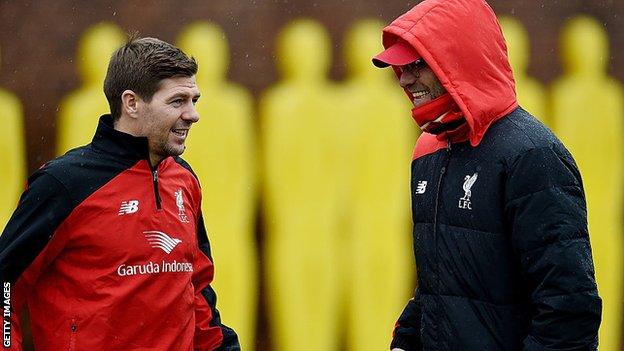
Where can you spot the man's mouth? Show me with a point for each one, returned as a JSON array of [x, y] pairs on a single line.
[[180, 132], [420, 94]]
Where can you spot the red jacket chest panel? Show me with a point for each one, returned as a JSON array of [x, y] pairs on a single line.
[[125, 261], [121, 224]]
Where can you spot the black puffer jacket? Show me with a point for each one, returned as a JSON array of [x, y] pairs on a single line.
[[500, 229], [502, 249]]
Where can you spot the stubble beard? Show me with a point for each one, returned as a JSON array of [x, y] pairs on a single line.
[[437, 90], [165, 149], [170, 150]]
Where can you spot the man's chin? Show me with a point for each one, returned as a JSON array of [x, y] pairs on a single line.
[[175, 150]]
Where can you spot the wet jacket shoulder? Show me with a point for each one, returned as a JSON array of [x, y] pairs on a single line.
[[546, 211]]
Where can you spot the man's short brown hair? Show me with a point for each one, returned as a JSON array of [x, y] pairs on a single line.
[[140, 65]]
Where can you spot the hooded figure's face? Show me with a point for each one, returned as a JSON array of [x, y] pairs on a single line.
[[420, 81]]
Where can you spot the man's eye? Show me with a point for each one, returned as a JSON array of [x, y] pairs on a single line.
[[177, 102], [416, 65]]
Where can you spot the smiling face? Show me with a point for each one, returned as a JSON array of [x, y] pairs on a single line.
[[166, 119], [421, 82]]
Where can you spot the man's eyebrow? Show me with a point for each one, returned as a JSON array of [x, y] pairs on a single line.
[[182, 94]]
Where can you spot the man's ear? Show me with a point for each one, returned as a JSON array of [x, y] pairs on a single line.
[[130, 103]]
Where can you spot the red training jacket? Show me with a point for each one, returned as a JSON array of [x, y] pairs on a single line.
[[108, 253]]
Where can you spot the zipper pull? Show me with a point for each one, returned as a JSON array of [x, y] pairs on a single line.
[[448, 146], [155, 173]]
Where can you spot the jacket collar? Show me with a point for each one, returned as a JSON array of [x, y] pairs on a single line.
[[117, 143]]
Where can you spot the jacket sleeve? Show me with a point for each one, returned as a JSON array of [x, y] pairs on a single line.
[[406, 333], [546, 211], [42, 208], [210, 333]]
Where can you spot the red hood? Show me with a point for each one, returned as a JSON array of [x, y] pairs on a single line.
[[463, 44]]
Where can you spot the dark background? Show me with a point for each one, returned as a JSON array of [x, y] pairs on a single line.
[[38, 43]]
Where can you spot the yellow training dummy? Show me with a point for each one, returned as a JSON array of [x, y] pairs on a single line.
[[531, 94], [12, 154], [79, 111], [300, 151], [588, 116], [381, 137], [221, 148]]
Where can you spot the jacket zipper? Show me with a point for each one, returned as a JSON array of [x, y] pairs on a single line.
[[72, 336], [435, 223], [435, 214], [155, 181]]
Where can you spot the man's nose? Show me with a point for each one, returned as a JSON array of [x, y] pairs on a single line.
[[191, 114], [407, 78]]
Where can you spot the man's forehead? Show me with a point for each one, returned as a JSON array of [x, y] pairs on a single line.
[[179, 85]]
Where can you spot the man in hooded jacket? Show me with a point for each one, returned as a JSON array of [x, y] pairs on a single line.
[[500, 220]]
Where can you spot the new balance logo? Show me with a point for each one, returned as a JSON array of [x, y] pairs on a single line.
[[421, 187], [160, 240], [128, 207]]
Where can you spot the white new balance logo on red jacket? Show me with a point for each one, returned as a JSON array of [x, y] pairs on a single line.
[[128, 207]]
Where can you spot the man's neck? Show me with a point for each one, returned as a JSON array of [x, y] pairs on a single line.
[[124, 126], [155, 159]]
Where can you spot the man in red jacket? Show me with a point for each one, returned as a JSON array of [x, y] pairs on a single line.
[[107, 249], [500, 222]]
